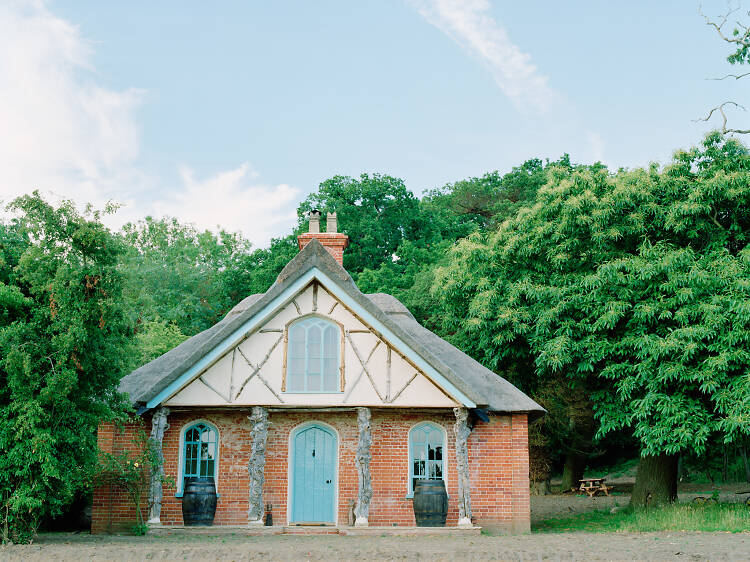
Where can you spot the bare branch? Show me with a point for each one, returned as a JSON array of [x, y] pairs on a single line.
[[720, 110], [735, 76], [742, 40]]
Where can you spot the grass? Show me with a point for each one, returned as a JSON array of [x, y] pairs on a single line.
[[729, 517]]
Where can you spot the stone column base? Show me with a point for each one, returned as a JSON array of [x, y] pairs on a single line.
[[361, 522], [464, 522], [256, 523]]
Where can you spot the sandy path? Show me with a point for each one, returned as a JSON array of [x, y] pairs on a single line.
[[563, 547]]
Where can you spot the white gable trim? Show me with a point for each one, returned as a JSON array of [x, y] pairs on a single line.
[[267, 312]]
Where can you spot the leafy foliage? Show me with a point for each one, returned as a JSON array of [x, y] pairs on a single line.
[[380, 212], [177, 274], [446, 215], [155, 338], [636, 283], [66, 342]]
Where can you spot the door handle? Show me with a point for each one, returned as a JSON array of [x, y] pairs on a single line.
[[328, 481]]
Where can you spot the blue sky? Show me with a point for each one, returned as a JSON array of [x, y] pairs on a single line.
[[231, 112]]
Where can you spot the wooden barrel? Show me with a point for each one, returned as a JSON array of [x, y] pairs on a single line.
[[199, 501], [430, 503]]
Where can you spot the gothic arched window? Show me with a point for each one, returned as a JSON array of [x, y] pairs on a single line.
[[426, 453], [313, 356]]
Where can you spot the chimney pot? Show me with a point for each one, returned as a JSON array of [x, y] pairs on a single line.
[[333, 241], [331, 223], [314, 221]]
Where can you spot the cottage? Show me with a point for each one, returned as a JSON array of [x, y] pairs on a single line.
[[321, 404]]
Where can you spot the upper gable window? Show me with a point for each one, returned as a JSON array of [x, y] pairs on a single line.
[[313, 355]]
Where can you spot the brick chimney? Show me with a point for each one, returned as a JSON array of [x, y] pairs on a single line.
[[332, 240]]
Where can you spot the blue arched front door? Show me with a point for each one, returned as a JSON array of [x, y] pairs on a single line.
[[313, 475]]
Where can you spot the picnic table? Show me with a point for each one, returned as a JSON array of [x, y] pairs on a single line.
[[592, 486]]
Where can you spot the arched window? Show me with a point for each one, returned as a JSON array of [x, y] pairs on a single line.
[[426, 453], [313, 356], [199, 452]]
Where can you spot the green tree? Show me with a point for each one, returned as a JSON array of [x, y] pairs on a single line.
[[256, 271], [460, 208], [448, 214], [180, 275], [155, 338], [65, 344], [636, 283], [376, 211]]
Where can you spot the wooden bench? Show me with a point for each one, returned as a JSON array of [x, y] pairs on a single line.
[[593, 486]]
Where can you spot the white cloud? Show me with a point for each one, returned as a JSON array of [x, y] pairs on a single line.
[[59, 131], [470, 24], [63, 133], [236, 201]]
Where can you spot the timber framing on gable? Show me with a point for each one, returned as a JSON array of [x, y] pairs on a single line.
[[314, 295]]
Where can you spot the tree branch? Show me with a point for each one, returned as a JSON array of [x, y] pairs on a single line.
[[715, 220], [720, 109], [735, 76], [743, 41]]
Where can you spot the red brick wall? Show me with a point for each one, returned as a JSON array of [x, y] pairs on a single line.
[[498, 458], [112, 509], [334, 242]]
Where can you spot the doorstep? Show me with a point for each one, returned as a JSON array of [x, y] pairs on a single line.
[[213, 530], [391, 531], [245, 530]]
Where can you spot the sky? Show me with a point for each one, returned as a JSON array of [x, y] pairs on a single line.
[[229, 113]]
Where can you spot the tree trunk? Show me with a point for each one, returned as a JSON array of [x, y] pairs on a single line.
[[656, 481], [743, 451], [575, 464]]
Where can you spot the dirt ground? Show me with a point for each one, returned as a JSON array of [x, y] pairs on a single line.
[[558, 547], [537, 546]]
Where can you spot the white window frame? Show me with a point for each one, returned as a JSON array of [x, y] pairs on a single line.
[[340, 367], [181, 455]]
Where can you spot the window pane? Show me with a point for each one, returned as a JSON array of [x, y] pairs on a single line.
[[297, 337], [313, 382], [297, 365], [207, 469], [330, 365], [330, 342], [313, 341], [313, 356], [296, 382], [330, 382]]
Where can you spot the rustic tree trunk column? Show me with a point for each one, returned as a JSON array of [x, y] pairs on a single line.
[[362, 461], [257, 465], [159, 425], [462, 432]]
